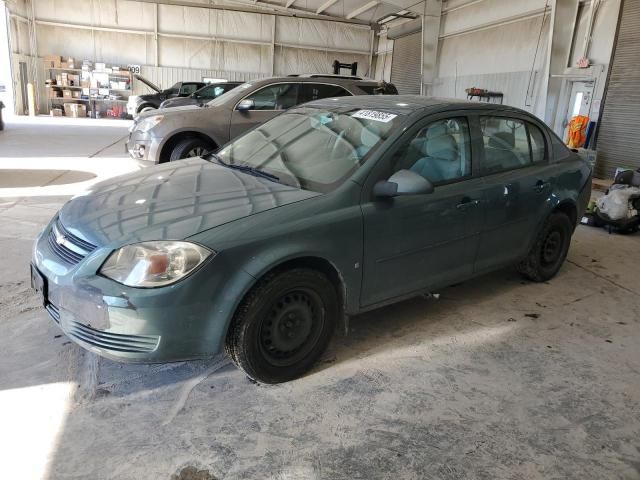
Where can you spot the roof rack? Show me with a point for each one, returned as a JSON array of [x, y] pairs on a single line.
[[325, 75]]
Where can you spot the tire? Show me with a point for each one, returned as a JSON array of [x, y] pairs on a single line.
[[146, 109], [549, 250], [190, 147], [283, 325]]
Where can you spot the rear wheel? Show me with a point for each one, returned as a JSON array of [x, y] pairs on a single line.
[[190, 147], [549, 250], [283, 325]]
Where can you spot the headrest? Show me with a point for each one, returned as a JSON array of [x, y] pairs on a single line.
[[436, 130], [502, 140], [443, 147], [368, 138]]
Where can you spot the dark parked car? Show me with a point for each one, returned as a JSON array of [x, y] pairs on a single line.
[[202, 96], [326, 211], [158, 137], [137, 104]]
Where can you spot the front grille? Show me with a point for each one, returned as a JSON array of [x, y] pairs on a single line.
[[53, 311], [108, 341], [112, 341], [68, 247]]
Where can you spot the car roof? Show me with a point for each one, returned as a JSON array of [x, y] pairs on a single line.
[[318, 78], [407, 104]]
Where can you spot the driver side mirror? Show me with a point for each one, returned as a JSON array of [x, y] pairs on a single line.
[[245, 105], [403, 182]]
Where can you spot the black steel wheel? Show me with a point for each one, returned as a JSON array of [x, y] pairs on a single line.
[[283, 325], [549, 250]]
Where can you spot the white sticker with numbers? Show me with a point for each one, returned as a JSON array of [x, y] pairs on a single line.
[[373, 115]]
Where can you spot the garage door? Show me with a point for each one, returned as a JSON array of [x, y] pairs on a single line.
[[405, 66], [619, 134]]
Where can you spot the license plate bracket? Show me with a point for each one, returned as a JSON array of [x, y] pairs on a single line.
[[39, 284]]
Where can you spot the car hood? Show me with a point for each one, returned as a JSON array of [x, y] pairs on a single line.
[[171, 201], [181, 102], [174, 111]]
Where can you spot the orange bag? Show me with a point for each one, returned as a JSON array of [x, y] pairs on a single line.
[[577, 131]]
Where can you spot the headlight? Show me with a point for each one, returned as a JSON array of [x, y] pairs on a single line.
[[154, 264], [148, 123]]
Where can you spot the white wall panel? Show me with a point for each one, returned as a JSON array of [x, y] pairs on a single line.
[[486, 12], [313, 33], [109, 47], [296, 60], [509, 48]]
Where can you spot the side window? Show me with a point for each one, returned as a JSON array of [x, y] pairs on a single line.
[[538, 148], [316, 91], [506, 144], [276, 97], [440, 152]]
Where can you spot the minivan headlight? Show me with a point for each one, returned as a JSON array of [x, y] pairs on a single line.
[[154, 264], [148, 123]]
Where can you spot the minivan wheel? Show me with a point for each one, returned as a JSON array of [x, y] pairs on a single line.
[[549, 250], [283, 325], [190, 147]]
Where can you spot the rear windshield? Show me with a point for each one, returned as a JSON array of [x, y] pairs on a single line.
[[312, 148], [382, 89]]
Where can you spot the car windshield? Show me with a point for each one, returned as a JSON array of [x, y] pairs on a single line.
[[312, 148], [229, 94]]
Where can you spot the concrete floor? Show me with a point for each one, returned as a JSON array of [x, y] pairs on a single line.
[[500, 378]]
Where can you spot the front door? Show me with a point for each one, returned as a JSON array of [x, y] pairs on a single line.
[[421, 242], [268, 102]]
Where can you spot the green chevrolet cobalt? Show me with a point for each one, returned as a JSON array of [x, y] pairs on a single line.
[[330, 209]]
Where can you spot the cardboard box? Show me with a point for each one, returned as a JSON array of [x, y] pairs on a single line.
[[75, 110], [56, 112], [53, 92], [75, 93], [66, 93], [52, 61]]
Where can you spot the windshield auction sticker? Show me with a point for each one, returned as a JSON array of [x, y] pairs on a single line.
[[373, 115]]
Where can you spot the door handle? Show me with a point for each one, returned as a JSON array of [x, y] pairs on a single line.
[[467, 203], [540, 186]]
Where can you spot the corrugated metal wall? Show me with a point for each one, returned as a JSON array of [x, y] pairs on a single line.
[[407, 63], [619, 133]]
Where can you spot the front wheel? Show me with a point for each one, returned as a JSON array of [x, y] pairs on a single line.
[[190, 147], [549, 250], [283, 325]]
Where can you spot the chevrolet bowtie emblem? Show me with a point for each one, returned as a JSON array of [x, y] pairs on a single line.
[[60, 238]]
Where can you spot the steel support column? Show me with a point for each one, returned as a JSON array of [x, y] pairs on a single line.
[[431, 17]]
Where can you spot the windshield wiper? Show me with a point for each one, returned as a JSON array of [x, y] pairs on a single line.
[[246, 169]]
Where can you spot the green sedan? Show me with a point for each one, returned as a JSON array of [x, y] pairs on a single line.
[[328, 210]]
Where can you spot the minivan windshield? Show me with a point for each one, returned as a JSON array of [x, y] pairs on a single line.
[[311, 148]]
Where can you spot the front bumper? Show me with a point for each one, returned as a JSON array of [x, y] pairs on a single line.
[[143, 147], [181, 321]]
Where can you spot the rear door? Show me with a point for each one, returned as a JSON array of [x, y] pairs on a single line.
[[269, 101], [517, 182]]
